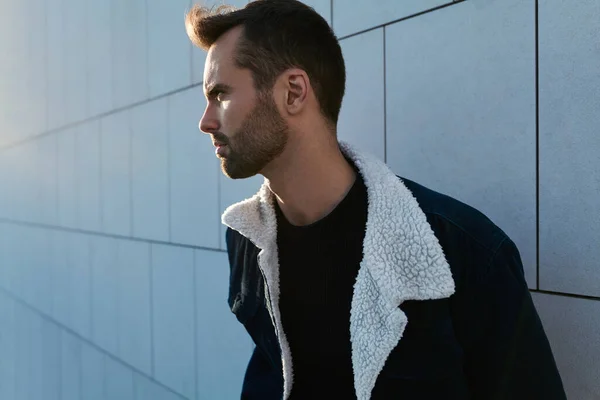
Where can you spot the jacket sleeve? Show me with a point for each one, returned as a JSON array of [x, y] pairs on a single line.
[[261, 381], [507, 353]]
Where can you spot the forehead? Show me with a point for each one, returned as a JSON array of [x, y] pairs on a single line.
[[219, 60]]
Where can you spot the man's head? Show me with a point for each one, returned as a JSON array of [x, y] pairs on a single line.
[[271, 67]]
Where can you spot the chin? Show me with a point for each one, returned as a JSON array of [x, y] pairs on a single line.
[[232, 172]]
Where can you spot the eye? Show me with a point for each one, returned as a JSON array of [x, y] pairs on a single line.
[[219, 96]]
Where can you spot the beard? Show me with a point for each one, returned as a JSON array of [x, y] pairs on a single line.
[[261, 138]]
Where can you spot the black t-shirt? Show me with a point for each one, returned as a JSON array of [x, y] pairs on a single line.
[[318, 268]]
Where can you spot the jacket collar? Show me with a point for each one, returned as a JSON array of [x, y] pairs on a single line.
[[402, 260]]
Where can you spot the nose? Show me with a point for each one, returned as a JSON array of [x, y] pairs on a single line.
[[209, 122]]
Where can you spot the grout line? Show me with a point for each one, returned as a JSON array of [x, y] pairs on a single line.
[[384, 97], [169, 170], [401, 19], [195, 319], [100, 176], [147, 43], [61, 389], [107, 235], [151, 275], [80, 366], [537, 150], [77, 175], [96, 117], [46, 74], [86, 60], [129, 117], [563, 294], [104, 375], [88, 342], [56, 181], [91, 269]]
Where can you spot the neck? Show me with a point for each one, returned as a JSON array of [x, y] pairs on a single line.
[[310, 179]]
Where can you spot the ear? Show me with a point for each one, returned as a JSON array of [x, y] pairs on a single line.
[[297, 86]]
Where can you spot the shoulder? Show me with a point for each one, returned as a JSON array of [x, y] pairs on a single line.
[[449, 216]]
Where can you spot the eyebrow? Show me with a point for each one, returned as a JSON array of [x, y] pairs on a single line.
[[212, 90]]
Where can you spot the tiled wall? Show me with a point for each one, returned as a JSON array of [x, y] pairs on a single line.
[[112, 271]]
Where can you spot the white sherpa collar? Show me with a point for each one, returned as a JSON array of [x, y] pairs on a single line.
[[402, 260]]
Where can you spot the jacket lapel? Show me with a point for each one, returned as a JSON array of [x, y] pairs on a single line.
[[402, 260]]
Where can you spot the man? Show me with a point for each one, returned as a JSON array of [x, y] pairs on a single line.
[[352, 282]]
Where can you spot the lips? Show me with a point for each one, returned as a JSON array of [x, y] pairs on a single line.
[[220, 149]]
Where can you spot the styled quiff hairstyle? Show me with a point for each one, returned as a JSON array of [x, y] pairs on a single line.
[[278, 35]]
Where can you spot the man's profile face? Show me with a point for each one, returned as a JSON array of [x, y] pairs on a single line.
[[244, 123]]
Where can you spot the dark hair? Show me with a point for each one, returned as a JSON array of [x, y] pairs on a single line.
[[278, 35]]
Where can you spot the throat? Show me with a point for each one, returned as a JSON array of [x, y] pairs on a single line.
[[307, 198]]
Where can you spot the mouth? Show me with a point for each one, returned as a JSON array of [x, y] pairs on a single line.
[[219, 148]]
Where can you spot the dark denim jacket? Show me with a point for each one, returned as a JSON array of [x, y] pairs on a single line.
[[485, 341]]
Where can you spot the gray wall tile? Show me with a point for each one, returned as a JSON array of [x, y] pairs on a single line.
[[365, 14], [12, 196], [26, 264], [105, 292], [129, 50], [6, 180], [194, 173], [24, 325], [47, 180], [150, 170], [80, 283], [119, 380], [87, 176], [134, 344], [62, 267], [56, 64], [15, 50], [169, 50], [8, 338], [173, 305], [461, 113], [116, 174], [362, 116], [93, 375], [70, 367], [5, 230], [99, 57], [569, 146], [75, 79], [198, 61], [15, 247], [572, 328], [48, 367], [36, 84], [21, 189], [45, 359], [147, 390], [224, 347], [39, 293], [44, 274], [37, 377]]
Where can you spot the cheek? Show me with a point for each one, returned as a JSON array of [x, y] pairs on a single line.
[[233, 115]]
